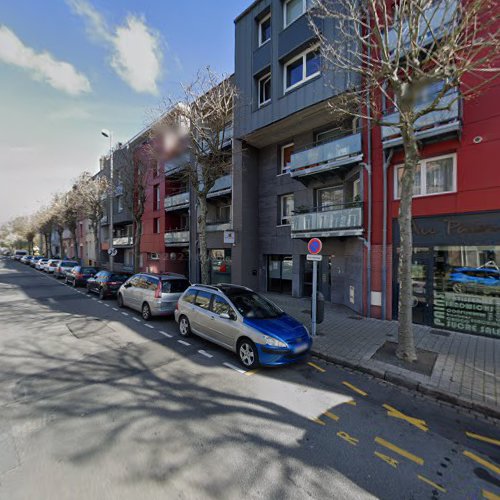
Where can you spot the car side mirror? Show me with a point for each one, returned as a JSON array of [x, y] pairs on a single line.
[[225, 316], [127, 285]]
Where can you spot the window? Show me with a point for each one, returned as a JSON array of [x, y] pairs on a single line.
[[221, 306], [174, 286], [293, 9], [432, 176], [264, 89], [156, 197], [286, 209], [331, 198], [265, 30], [120, 203], [302, 68], [286, 158], [203, 299], [189, 296], [224, 213], [156, 226], [154, 256]]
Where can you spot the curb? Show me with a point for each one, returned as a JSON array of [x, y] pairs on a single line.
[[409, 383]]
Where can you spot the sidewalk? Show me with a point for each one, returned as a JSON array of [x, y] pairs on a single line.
[[466, 371]]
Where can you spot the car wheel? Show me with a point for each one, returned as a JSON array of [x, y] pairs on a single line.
[[247, 353], [102, 295], [184, 327], [119, 300], [146, 312]]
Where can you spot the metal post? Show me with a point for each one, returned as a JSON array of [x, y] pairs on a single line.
[[111, 195], [314, 298]]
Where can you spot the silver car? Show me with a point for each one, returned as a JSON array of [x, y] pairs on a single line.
[[41, 263], [243, 321], [152, 294], [52, 265]]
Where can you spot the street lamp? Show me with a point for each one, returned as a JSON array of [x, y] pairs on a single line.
[[107, 133]]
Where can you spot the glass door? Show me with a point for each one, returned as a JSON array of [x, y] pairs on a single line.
[[279, 273], [422, 271]]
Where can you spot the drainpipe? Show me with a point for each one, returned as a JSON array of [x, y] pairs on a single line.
[[387, 162]]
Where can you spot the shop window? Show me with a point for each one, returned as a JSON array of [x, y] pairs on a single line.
[[286, 158], [280, 273], [286, 209], [432, 176], [220, 265]]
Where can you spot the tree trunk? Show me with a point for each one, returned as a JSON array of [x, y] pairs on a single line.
[[61, 247], [406, 343], [75, 241], [202, 238], [137, 244]]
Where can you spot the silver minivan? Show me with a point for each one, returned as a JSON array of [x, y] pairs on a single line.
[[152, 294]]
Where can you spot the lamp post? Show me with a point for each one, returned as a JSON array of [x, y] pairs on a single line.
[[109, 134]]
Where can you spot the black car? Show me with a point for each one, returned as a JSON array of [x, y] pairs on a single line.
[[106, 283], [79, 275]]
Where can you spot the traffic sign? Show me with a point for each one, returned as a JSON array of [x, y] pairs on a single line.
[[314, 246], [314, 258], [113, 252]]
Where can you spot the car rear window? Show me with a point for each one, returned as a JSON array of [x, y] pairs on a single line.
[[88, 270], [174, 286], [118, 277], [68, 263]]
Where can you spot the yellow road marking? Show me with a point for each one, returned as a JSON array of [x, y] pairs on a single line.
[[490, 496], [431, 483], [318, 421], [355, 389], [322, 370], [351, 402], [482, 462], [420, 424], [399, 451], [387, 459], [331, 415], [483, 438], [346, 437], [251, 372]]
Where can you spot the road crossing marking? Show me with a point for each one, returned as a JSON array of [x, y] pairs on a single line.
[[483, 438], [165, 334], [204, 353], [137, 319], [235, 368], [125, 314], [392, 412], [318, 421], [387, 459], [331, 415], [351, 402], [107, 305], [399, 451], [183, 342], [316, 367], [115, 309], [482, 461], [432, 483], [100, 301], [355, 389], [150, 326]]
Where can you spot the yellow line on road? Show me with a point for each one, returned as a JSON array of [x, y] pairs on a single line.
[[251, 372], [431, 483], [318, 421], [351, 402], [355, 389], [482, 461], [392, 412], [331, 415], [483, 438], [399, 451], [322, 370], [490, 496]]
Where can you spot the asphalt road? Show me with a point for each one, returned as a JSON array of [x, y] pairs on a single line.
[[95, 403]]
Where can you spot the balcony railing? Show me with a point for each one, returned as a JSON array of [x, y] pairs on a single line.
[[218, 225], [327, 156], [177, 238], [123, 241], [177, 201], [337, 220], [176, 165], [430, 125], [222, 186]]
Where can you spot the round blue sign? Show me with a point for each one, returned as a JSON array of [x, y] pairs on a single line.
[[314, 246]]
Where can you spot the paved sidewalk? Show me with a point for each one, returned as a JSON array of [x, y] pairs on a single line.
[[466, 372]]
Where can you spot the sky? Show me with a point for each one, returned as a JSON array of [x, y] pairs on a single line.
[[69, 68]]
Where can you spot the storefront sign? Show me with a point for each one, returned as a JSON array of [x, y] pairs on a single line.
[[229, 237]]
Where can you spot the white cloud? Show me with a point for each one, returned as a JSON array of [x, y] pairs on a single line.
[[136, 48], [42, 66]]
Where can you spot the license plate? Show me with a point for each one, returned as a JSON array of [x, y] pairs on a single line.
[[300, 348]]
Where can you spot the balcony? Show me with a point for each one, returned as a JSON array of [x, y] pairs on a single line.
[[176, 165], [123, 241], [222, 186], [177, 238], [326, 156], [177, 201], [340, 220], [433, 124], [218, 225]]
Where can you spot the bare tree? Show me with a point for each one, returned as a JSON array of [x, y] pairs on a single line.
[[92, 192], [391, 53], [45, 222], [202, 121]]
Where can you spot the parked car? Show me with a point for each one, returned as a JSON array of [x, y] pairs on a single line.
[[106, 283], [45, 267], [41, 263], [25, 259], [64, 265], [35, 260], [19, 253], [243, 321], [52, 265], [79, 275], [152, 294]]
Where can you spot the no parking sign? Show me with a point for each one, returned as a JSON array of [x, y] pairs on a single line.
[[314, 246]]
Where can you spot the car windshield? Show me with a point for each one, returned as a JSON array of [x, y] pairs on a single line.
[[253, 305], [118, 277], [68, 264], [174, 286], [88, 270]]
